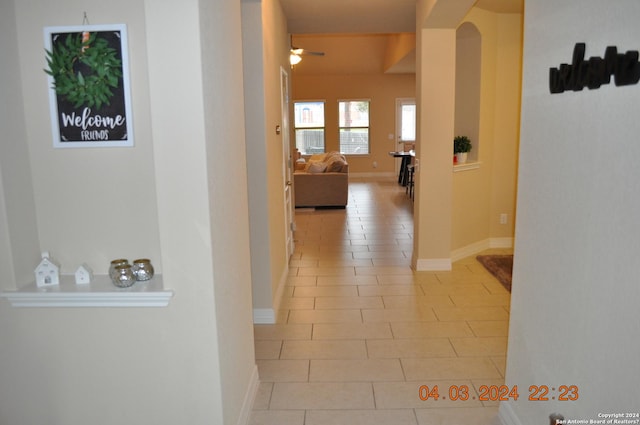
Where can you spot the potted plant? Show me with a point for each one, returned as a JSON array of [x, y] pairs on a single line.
[[461, 147]]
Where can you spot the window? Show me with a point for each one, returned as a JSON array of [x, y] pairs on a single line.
[[309, 126], [354, 126], [407, 119]]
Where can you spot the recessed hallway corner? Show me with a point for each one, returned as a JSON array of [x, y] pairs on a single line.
[[360, 332]]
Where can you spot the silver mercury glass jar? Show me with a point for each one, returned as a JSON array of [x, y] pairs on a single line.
[[142, 269], [123, 276], [114, 264]]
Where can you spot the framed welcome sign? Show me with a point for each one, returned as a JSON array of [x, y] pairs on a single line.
[[88, 74]]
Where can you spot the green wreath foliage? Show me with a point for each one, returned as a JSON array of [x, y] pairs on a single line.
[[84, 73]]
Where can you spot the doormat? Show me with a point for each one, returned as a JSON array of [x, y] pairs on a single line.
[[501, 266]]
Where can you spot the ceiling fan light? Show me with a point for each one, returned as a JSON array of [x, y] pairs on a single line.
[[294, 59]]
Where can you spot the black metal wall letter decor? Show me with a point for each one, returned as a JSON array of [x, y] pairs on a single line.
[[595, 71]]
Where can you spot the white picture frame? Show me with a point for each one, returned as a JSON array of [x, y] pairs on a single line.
[[100, 116]]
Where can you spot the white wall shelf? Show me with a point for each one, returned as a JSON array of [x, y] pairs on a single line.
[[466, 166], [99, 293]]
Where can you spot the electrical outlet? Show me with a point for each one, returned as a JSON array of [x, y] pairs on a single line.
[[503, 218], [375, 164]]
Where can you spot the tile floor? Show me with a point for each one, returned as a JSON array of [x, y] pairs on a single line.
[[360, 333]]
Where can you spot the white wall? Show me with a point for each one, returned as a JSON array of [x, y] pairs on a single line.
[[18, 226], [574, 309], [265, 47], [224, 124], [97, 204], [191, 362]]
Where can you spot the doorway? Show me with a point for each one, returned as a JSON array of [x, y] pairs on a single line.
[[405, 126]]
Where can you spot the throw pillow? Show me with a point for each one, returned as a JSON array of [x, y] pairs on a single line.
[[335, 166], [316, 167]]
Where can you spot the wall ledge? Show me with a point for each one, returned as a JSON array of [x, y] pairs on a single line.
[[466, 166], [99, 293]]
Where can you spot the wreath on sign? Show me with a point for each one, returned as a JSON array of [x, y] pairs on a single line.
[[84, 69]]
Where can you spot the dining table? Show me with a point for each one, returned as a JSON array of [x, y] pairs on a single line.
[[404, 164]]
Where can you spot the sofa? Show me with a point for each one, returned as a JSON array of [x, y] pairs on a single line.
[[322, 181]]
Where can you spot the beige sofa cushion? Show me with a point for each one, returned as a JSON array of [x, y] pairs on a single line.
[[316, 167]]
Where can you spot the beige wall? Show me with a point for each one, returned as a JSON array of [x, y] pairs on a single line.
[[276, 57], [265, 51], [19, 243], [482, 194], [192, 361], [381, 89]]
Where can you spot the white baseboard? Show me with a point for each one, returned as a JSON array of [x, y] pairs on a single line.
[[264, 316], [249, 398], [501, 243], [444, 264], [476, 247], [469, 250], [267, 316], [433, 264], [506, 414]]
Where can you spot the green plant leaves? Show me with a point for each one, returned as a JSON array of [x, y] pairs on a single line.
[[84, 72]]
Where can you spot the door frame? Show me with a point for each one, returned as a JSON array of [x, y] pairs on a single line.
[[287, 166], [400, 101]]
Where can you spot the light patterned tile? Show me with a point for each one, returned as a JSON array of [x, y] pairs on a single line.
[[301, 281], [501, 364], [490, 327], [326, 291], [336, 303], [319, 395], [409, 348], [405, 279], [366, 370], [324, 349], [263, 396], [334, 263], [391, 262], [297, 303], [347, 280], [352, 331], [466, 300], [431, 329], [277, 417], [283, 370], [281, 331], [361, 417], [379, 254], [325, 316], [355, 317], [482, 346], [471, 313], [450, 368], [384, 270], [437, 288], [326, 271], [268, 349], [408, 302], [380, 290], [398, 315], [458, 415], [407, 395], [492, 390]]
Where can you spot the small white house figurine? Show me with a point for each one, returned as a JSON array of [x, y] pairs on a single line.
[[84, 274], [47, 272]]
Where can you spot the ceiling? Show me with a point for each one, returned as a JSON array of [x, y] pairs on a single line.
[[367, 16]]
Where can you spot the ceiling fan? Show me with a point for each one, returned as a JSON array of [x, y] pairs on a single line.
[[296, 53]]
